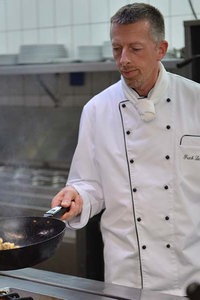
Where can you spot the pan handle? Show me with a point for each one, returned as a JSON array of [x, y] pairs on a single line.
[[56, 211]]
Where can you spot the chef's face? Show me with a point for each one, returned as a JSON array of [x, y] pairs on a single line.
[[137, 55]]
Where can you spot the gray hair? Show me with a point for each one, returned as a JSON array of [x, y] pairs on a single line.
[[135, 12]]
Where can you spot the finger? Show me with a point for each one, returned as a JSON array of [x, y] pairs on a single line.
[[68, 199], [64, 197], [70, 195], [75, 209], [58, 198], [77, 206]]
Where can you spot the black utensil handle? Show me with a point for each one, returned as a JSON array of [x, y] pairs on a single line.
[[193, 291], [56, 211]]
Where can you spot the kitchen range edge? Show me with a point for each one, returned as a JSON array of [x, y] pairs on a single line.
[[169, 63], [46, 285]]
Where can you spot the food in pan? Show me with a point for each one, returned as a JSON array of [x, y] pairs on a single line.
[[7, 245]]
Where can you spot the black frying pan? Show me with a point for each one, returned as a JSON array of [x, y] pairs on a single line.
[[37, 238]]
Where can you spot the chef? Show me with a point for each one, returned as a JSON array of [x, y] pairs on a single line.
[[138, 160]]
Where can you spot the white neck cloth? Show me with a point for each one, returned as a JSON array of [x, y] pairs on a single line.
[[146, 106]]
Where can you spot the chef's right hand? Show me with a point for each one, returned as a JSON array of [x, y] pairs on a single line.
[[68, 197]]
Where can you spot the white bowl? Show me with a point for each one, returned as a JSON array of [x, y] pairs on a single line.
[[89, 53]]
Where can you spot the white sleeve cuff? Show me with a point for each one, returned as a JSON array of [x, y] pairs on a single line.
[[81, 220]]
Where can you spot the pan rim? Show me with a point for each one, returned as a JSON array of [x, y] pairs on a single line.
[[38, 242]]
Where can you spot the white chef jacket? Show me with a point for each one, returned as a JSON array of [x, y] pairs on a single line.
[[147, 177]]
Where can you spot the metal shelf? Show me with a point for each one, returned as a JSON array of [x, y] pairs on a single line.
[[71, 67]]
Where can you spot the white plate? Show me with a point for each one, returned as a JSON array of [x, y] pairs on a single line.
[[43, 53]]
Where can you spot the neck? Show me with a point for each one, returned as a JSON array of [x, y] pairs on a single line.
[[140, 96]]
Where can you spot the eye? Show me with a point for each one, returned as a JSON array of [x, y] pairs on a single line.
[[136, 49], [117, 50]]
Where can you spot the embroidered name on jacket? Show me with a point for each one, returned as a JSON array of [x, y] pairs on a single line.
[[191, 157]]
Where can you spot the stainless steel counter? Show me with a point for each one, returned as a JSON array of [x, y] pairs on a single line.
[[104, 66], [73, 288]]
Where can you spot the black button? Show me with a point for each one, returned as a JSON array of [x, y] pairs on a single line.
[[168, 99], [167, 157], [168, 246], [134, 190], [144, 247], [139, 219], [123, 105], [131, 161], [128, 132], [167, 218], [168, 127], [166, 187]]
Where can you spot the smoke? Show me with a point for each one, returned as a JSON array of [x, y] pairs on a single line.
[[36, 148]]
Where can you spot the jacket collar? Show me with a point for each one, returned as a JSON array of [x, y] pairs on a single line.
[[146, 106]]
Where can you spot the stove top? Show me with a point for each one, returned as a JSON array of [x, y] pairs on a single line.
[[44, 285], [20, 294]]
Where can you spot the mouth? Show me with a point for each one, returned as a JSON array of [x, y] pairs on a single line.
[[128, 73]]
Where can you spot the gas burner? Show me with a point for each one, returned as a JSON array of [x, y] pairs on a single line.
[[8, 293], [9, 296]]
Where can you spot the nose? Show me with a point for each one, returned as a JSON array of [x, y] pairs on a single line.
[[124, 59]]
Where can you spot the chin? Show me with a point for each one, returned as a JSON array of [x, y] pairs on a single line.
[[132, 83]]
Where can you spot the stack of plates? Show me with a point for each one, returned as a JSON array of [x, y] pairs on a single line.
[[89, 53], [44, 53], [8, 59]]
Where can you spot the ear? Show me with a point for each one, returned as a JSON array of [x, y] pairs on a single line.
[[162, 49]]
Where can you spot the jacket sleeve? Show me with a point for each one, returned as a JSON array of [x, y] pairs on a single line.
[[84, 173]]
